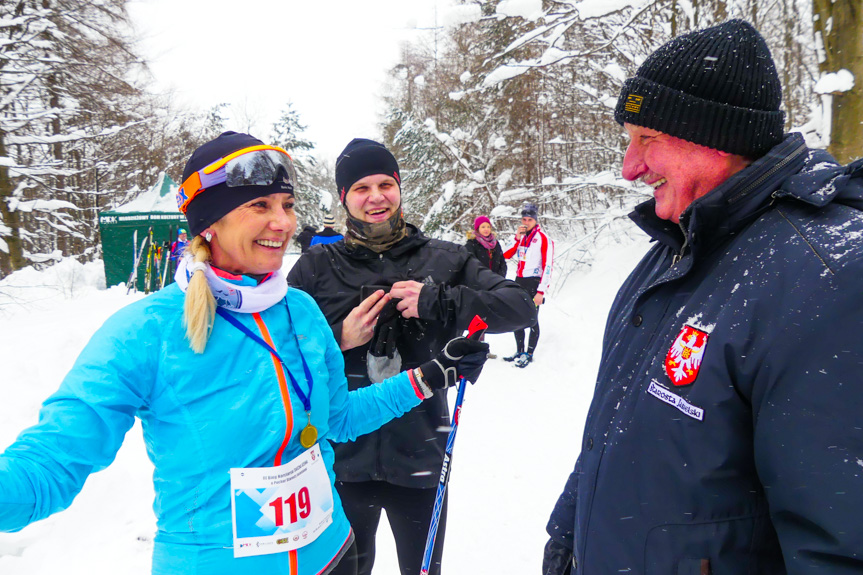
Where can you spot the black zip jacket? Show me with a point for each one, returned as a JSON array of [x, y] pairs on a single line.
[[408, 451], [304, 238], [493, 258], [725, 433]]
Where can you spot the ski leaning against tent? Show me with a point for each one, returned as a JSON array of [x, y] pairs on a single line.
[[265, 366], [136, 262], [151, 251]]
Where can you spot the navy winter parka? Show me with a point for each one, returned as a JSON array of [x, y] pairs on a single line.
[[726, 430]]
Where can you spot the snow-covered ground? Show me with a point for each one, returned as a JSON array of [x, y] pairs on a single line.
[[517, 441]]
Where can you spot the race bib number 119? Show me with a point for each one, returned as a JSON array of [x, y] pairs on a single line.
[[283, 508]]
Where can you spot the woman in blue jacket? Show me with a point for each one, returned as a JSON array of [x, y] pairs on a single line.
[[238, 382]]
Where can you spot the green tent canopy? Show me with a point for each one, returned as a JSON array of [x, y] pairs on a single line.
[[127, 227]]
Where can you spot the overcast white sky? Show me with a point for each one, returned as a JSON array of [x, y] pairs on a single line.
[[328, 57]]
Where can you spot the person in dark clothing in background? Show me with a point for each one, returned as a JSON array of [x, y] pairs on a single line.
[[436, 288], [725, 433], [304, 238], [485, 247], [328, 235]]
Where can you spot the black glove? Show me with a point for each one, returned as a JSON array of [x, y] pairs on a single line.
[[460, 356], [556, 559], [387, 331]]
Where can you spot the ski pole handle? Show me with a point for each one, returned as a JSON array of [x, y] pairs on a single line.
[[476, 328]]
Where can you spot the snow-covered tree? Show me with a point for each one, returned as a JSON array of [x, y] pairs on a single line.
[[67, 89], [315, 180], [517, 102]]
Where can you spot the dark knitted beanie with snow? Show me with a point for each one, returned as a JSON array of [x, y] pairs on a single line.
[[362, 158], [716, 87]]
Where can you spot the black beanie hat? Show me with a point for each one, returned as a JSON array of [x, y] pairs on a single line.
[[530, 211], [363, 158], [216, 201], [716, 87]]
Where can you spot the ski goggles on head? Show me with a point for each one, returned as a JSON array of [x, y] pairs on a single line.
[[252, 166]]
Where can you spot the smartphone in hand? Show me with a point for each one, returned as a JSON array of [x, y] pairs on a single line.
[[367, 290]]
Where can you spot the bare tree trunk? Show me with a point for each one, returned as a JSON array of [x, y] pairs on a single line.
[[843, 48], [720, 11], [674, 24], [14, 259], [788, 42]]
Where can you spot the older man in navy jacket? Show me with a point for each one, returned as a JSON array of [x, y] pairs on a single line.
[[726, 432]]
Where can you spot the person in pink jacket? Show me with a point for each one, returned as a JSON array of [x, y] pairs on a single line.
[[535, 253]]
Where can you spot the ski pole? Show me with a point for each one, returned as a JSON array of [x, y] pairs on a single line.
[[474, 331]]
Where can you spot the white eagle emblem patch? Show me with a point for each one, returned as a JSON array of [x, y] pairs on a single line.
[[684, 358]]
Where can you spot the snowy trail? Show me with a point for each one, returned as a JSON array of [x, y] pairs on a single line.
[[516, 445]]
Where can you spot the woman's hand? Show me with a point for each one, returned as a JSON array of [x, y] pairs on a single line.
[[359, 326]]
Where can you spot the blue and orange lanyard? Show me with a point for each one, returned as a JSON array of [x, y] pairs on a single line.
[[309, 434]]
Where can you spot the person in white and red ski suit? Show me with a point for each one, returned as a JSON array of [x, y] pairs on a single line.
[[535, 252]]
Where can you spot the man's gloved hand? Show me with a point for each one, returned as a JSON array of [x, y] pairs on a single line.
[[387, 331], [460, 356], [556, 559]]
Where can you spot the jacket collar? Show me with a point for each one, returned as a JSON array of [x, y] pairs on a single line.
[[730, 206], [410, 242]]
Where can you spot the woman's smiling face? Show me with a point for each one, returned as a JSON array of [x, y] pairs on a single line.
[[252, 238]]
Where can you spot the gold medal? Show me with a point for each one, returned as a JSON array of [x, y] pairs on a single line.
[[309, 434]]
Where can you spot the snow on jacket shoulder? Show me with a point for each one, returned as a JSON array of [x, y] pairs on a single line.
[[409, 451], [725, 425], [201, 415], [535, 252]]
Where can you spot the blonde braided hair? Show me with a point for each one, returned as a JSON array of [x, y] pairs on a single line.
[[199, 311]]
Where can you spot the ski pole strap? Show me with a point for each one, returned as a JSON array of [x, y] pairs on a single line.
[[306, 399]]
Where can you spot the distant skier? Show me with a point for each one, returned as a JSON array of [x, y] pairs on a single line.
[[179, 246], [328, 235], [535, 254]]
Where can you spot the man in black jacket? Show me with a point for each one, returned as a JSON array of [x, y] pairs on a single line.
[[725, 432], [435, 288], [304, 238]]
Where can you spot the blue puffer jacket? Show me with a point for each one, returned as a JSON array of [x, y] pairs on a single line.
[[726, 432], [202, 415]]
